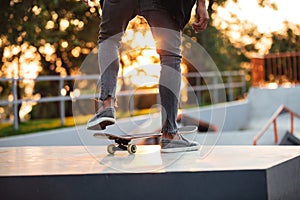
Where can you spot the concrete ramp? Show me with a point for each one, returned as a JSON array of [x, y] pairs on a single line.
[[239, 122], [263, 103], [87, 172], [230, 116]]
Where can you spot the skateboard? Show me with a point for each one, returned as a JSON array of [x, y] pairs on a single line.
[[123, 142]]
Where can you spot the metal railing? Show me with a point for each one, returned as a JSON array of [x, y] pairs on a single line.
[[215, 84], [230, 84], [61, 98], [279, 68], [273, 120]]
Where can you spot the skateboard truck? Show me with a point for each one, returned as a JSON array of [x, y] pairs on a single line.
[[121, 145]]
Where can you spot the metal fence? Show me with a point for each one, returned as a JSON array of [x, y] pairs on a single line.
[[230, 81]]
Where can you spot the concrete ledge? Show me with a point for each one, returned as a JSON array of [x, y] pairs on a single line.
[[228, 172]]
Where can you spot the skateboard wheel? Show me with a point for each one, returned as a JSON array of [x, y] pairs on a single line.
[[131, 148], [111, 149]]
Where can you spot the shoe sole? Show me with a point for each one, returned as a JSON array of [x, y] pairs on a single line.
[[101, 123], [180, 149]]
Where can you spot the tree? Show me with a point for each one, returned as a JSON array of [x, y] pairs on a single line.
[[247, 38], [217, 43], [60, 34], [286, 41], [52, 37]]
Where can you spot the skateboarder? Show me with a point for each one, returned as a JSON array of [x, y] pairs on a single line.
[[166, 18]]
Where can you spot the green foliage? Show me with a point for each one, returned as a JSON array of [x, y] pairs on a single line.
[[218, 46], [225, 55], [68, 27], [50, 22], [287, 41]]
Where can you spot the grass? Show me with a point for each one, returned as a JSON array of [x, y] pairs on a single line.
[[33, 126], [38, 125]]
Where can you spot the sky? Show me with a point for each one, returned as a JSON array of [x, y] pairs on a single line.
[[267, 19]]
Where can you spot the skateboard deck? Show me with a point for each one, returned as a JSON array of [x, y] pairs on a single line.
[[123, 141]]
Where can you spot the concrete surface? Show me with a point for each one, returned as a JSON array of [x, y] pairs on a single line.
[[238, 122], [77, 172]]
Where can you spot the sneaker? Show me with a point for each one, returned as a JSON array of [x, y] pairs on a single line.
[[178, 145], [102, 119]]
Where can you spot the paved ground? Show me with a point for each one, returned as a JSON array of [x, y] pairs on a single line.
[[79, 136], [239, 121]]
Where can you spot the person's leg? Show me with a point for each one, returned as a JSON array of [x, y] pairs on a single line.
[[166, 33], [116, 15]]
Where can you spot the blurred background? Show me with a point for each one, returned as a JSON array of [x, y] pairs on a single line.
[[44, 43]]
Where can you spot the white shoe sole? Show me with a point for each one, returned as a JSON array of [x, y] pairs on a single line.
[[180, 149], [100, 120]]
